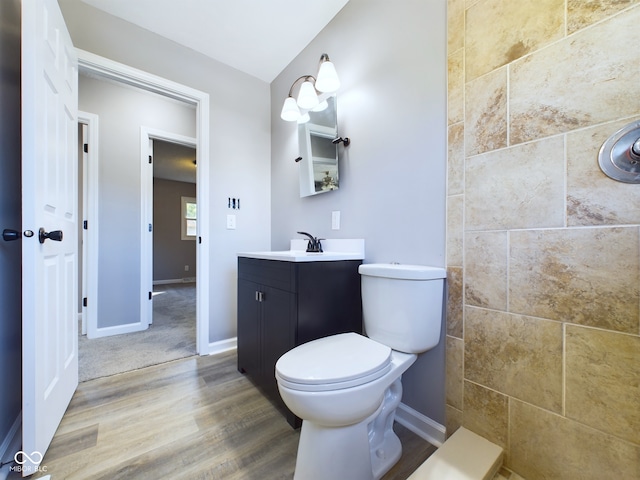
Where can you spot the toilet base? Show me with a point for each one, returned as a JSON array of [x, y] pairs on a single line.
[[363, 451], [333, 453], [384, 445]]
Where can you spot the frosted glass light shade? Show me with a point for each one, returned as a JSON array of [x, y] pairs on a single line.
[[328, 81], [321, 106], [304, 118], [307, 98], [290, 111]]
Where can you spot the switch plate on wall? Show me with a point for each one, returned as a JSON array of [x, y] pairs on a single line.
[[335, 220], [231, 222]]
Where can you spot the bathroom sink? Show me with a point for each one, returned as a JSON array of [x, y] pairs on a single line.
[[334, 250]]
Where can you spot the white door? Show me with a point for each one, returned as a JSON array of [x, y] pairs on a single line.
[[49, 209]]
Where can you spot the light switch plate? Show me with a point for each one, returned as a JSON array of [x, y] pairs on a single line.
[[335, 220], [231, 222]]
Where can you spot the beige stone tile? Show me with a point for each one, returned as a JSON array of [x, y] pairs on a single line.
[[455, 87], [515, 355], [518, 187], [603, 381], [454, 371], [581, 13], [588, 276], [485, 121], [506, 474], [454, 301], [486, 269], [592, 197], [501, 31], [580, 81], [486, 413], [455, 160], [547, 446], [455, 25], [453, 420], [455, 226]]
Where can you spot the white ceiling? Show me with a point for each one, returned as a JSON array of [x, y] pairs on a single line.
[[258, 37]]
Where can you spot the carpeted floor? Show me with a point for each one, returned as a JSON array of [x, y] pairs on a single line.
[[171, 336]]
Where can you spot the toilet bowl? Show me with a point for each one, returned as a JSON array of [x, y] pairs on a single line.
[[329, 399], [346, 387]]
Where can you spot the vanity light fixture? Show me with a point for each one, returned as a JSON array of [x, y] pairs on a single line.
[[327, 81]]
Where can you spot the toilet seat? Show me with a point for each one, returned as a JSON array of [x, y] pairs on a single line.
[[333, 363]]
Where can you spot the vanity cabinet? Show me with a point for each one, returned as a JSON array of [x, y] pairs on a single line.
[[283, 304]]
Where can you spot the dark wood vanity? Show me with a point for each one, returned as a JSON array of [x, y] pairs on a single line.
[[282, 304]]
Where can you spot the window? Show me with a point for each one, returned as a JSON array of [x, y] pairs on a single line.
[[189, 217]]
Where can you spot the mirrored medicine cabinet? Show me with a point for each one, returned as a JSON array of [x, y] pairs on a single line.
[[319, 154]]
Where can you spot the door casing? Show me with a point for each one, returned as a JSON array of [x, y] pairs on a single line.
[[109, 69]]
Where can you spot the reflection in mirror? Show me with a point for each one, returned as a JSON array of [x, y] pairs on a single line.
[[319, 164]]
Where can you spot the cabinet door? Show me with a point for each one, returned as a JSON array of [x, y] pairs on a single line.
[[248, 328], [278, 331]]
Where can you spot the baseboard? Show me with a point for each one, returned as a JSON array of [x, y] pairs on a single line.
[[221, 346], [118, 330], [175, 280], [421, 425], [10, 445]]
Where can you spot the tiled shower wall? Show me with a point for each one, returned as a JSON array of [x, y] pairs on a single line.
[[543, 250]]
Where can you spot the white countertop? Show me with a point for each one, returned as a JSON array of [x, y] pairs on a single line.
[[333, 250]]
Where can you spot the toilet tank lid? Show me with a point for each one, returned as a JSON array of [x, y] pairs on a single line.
[[406, 272]]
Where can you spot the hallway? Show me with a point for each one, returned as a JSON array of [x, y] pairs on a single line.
[[171, 336]]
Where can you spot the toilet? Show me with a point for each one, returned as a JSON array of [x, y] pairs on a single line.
[[346, 387]]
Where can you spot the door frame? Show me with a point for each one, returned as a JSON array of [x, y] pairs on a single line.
[[147, 135], [90, 236], [109, 69]]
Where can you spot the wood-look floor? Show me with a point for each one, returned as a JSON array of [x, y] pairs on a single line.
[[196, 418]]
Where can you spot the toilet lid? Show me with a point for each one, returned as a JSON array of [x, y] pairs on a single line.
[[347, 359]]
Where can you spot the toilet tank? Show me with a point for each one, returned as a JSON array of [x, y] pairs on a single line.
[[402, 305]]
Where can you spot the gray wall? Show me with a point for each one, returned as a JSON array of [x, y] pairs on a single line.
[[391, 59], [170, 252], [10, 217], [239, 140], [122, 111]]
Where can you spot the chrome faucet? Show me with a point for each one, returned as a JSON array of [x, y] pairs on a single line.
[[314, 244]]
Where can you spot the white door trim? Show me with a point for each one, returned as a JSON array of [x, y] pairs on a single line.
[[91, 234], [104, 67]]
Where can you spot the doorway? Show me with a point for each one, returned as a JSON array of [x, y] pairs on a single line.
[[173, 246], [173, 311], [96, 66]]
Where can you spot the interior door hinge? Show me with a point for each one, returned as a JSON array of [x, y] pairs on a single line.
[[84, 224], [149, 158], [150, 295], [84, 302], [86, 148]]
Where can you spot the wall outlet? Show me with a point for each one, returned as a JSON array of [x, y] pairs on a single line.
[[231, 222], [186, 268], [335, 220]]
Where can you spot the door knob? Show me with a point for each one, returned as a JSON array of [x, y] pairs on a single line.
[[56, 235], [8, 235]]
